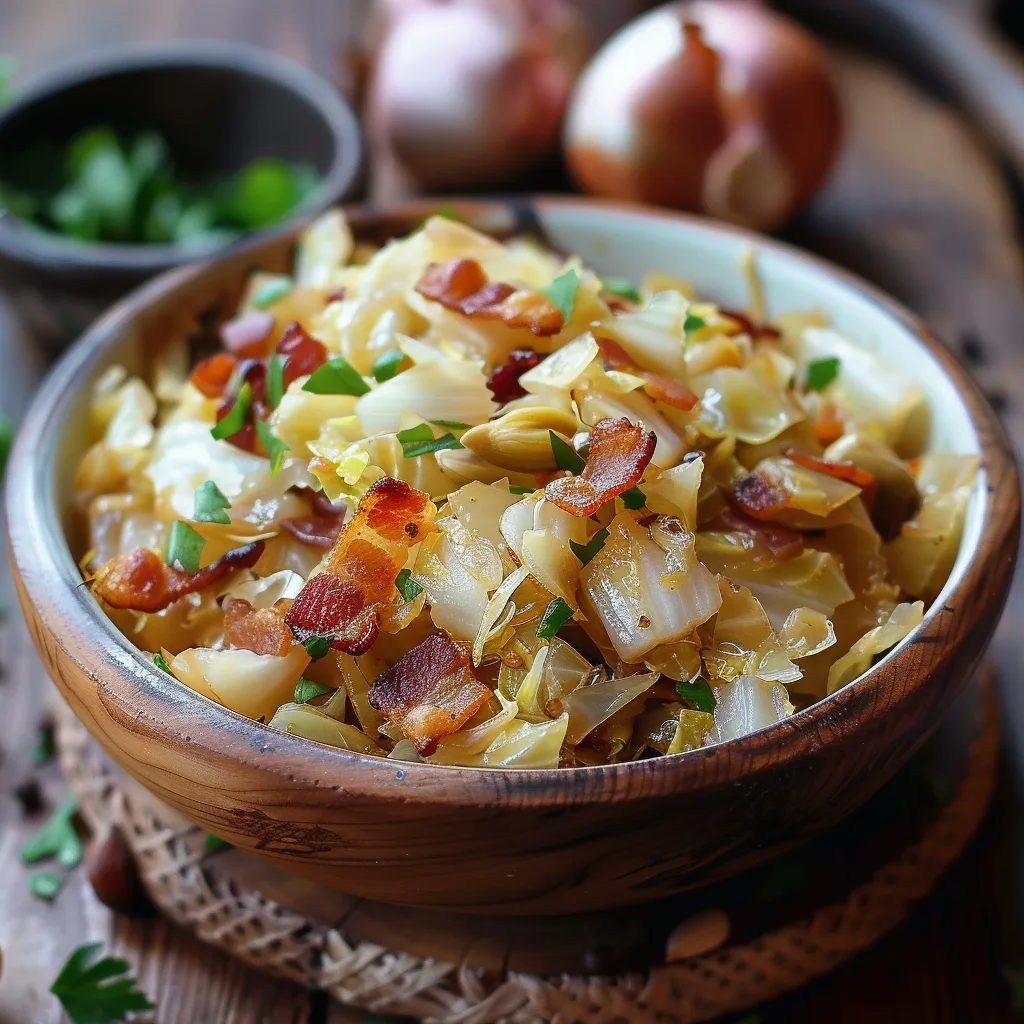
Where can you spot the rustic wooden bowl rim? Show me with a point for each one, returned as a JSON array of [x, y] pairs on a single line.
[[130, 686]]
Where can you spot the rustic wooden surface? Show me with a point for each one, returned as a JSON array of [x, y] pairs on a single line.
[[918, 207]]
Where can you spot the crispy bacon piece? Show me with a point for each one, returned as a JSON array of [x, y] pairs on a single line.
[[783, 542], [657, 385], [344, 600], [337, 295], [430, 692], [747, 326], [322, 527], [260, 630], [504, 381], [139, 580], [249, 334], [304, 353], [760, 494], [211, 376], [462, 286], [841, 471], [619, 454]]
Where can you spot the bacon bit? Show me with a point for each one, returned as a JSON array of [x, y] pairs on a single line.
[[260, 630], [658, 386], [462, 286], [140, 581], [619, 454], [304, 353], [211, 376], [841, 471], [247, 335], [747, 326], [783, 542], [760, 495], [430, 692], [828, 425], [338, 295], [253, 372], [322, 527], [344, 600], [504, 381]]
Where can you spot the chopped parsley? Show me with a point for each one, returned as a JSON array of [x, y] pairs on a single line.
[[420, 440], [236, 416], [161, 663], [697, 695], [566, 457], [275, 380], [306, 690], [520, 489], [317, 646], [693, 323], [386, 365], [211, 504], [621, 286], [45, 884], [212, 843], [336, 377], [408, 588], [555, 616], [184, 546], [57, 838], [585, 552], [98, 991], [274, 446], [562, 292], [822, 372], [634, 498], [274, 288]]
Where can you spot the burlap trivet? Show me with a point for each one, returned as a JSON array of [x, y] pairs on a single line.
[[262, 933]]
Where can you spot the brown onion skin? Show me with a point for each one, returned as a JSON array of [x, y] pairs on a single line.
[[688, 124]]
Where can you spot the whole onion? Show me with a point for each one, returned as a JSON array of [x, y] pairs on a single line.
[[721, 106], [471, 92]]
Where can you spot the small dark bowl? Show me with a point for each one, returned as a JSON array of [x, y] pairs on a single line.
[[219, 106]]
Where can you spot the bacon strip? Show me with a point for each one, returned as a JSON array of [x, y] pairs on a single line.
[[345, 599], [657, 385], [504, 381], [430, 692], [760, 494], [260, 630], [619, 454], [783, 542], [139, 580], [304, 353], [841, 471], [462, 286]]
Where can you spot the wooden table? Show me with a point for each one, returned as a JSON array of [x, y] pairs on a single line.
[[928, 220]]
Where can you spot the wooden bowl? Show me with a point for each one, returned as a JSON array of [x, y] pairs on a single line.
[[501, 841]]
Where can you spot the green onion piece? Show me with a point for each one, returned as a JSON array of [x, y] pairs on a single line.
[[274, 288], [621, 286], [407, 586], [237, 415], [210, 504], [274, 446], [634, 498], [562, 292], [336, 377], [212, 843], [451, 424], [184, 546], [822, 372], [275, 380], [161, 663], [520, 489], [697, 694], [692, 323], [306, 690], [317, 646], [45, 884], [57, 838], [566, 457], [555, 616], [6, 440], [585, 552], [420, 440], [386, 365]]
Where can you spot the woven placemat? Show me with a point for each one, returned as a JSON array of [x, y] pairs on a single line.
[[265, 934]]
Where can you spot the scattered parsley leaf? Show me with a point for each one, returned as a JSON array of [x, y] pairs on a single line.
[[317, 646], [212, 843], [555, 616], [520, 489], [585, 552], [235, 419], [420, 440], [45, 884], [451, 424], [1015, 979], [386, 365], [210, 504], [621, 286], [161, 663], [274, 288], [634, 498], [566, 457], [697, 694], [6, 440], [274, 446], [97, 991], [562, 292], [822, 372], [306, 690], [184, 546], [336, 377], [43, 750], [275, 380], [693, 323], [408, 588], [57, 838]]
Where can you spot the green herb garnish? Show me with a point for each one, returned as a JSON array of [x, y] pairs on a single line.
[[184, 546], [236, 416], [420, 440], [693, 323], [585, 552], [317, 646], [821, 372], [621, 286], [264, 192], [6, 440], [211, 504], [306, 690], [521, 489], [212, 843], [566, 457], [555, 616], [98, 991], [274, 446], [451, 424], [697, 694], [562, 292], [275, 380], [57, 838], [45, 884], [408, 588], [634, 498], [161, 663], [386, 365], [336, 377], [274, 288]]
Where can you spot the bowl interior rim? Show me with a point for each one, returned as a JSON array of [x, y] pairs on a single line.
[[44, 559]]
